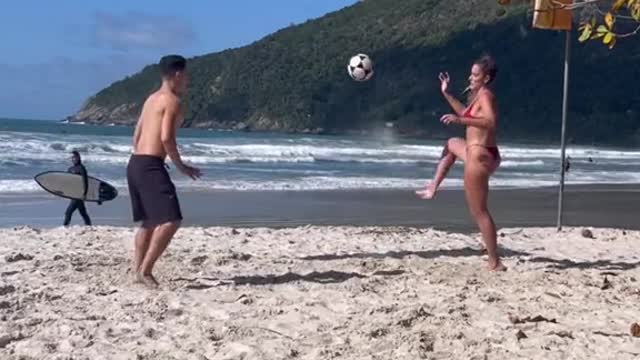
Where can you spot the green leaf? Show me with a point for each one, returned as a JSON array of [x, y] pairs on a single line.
[[586, 33], [608, 38], [635, 12], [602, 29]]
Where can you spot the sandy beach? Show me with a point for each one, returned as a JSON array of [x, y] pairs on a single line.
[[320, 293]]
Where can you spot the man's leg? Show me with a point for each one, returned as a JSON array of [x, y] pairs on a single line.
[[83, 212], [160, 238], [143, 238], [73, 205]]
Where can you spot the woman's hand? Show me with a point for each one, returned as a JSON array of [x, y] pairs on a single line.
[[444, 81], [450, 119]]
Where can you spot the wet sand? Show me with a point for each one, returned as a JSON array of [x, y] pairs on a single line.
[[589, 205]]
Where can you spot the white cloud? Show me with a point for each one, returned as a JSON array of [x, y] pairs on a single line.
[[56, 88], [136, 30]]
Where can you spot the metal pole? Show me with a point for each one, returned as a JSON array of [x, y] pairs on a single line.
[[567, 58]]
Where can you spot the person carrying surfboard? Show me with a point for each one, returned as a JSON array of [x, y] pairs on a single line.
[[154, 200], [77, 204]]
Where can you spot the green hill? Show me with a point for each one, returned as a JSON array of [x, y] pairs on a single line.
[[296, 78]]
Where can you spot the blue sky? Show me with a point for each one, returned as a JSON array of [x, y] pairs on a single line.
[[53, 55]]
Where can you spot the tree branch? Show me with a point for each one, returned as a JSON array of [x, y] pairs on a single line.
[[617, 16], [634, 32], [559, 5]]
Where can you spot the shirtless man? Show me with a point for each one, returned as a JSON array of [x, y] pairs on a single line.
[[154, 201]]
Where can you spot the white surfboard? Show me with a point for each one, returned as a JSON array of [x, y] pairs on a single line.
[[70, 186]]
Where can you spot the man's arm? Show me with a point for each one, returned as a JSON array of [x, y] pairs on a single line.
[[168, 132], [136, 135]]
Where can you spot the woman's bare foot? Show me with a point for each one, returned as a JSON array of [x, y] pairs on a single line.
[[428, 193]]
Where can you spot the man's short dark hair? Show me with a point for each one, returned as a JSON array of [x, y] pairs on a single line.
[[170, 64], [75, 153]]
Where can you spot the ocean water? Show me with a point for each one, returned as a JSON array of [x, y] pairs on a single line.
[[276, 162]]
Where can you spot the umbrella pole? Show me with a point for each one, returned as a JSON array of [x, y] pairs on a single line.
[[567, 58]]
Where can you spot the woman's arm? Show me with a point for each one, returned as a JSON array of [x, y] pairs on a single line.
[[486, 118], [457, 106]]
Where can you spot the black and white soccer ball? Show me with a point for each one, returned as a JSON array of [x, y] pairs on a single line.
[[360, 67]]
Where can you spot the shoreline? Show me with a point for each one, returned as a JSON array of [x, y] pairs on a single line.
[[602, 205]]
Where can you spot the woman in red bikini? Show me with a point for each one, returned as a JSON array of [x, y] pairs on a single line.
[[479, 151]]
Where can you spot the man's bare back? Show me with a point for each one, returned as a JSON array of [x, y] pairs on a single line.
[[160, 106]]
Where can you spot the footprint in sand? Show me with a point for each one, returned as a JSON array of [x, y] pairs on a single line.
[[8, 339], [18, 257], [7, 289], [199, 260]]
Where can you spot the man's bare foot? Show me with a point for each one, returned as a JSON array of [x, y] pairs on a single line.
[[137, 278], [428, 193], [133, 274], [496, 265], [147, 280], [150, 281]]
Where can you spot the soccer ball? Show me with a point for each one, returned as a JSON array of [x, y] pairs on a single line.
[[360, 67]]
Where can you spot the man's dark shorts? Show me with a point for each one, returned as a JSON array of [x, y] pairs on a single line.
[[153, 196]]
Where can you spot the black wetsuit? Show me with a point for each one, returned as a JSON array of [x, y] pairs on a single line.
[[78, 204]]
